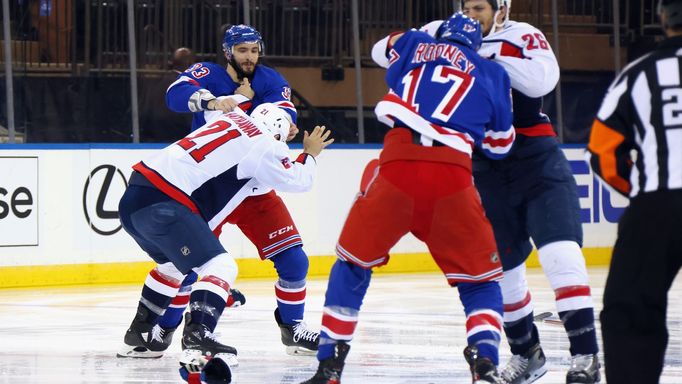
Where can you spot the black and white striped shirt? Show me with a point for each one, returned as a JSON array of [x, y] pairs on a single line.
[[640, 123]]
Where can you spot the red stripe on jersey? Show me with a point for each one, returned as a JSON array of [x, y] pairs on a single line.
[[290, 296], [542, 129], [511, 50], [285, 104], [217, 281], [518, 305], [194, 82], [483, 319], [180, 300], [389, 46], [245, 106], [169, 189], [156, 275], [498, 142], [571, 291], [340, 327], [302, 158]]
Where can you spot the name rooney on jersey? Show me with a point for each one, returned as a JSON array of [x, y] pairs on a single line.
[[433, 51]]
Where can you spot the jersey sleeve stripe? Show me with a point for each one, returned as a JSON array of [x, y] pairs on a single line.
[[511, 50]]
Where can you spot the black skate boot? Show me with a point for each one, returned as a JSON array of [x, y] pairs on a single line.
[[197, 337], [482, 369], [144, 339], [329, 371], [297, 337]]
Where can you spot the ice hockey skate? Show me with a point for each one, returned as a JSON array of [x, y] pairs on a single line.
[[482, 369], [329, 371], [196, 337], [144, 339], [584, 370], [525, 369], [298, 339]]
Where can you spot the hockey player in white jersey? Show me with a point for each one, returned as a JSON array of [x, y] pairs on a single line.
[[176, 198], [532, 194]]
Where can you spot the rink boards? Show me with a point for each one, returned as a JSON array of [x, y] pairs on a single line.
[[59, 221]]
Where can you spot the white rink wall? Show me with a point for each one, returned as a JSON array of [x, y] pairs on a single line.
[[58, 204]]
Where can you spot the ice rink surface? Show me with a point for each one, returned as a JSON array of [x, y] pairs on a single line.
[[411, 330]]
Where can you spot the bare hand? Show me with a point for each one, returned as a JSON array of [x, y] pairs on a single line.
[[225, 105], [293, 131], [316, 141], [245, 89]]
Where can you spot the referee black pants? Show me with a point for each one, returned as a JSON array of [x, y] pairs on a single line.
[[646, 259]]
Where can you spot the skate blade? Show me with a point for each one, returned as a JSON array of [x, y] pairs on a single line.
[[299, 351], [138, 353], [536, 375]]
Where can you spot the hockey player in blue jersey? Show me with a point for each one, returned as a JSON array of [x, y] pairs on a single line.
[[532, 194], [197, 89], [443, 101], [203, 89]]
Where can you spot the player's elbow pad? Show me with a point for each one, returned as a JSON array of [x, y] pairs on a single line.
[[379, 52]]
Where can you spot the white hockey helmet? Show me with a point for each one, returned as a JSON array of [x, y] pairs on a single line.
[[273, 119]]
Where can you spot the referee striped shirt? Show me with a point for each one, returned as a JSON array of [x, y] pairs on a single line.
[[636, 140]]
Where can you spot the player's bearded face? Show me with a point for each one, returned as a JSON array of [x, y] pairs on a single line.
[[481, 11], [246, 56]]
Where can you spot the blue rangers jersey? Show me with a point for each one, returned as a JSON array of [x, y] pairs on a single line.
[[446, 92], [205, 81]]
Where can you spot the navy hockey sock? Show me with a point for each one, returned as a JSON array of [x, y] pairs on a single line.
[[521, 334], [207, 301], [579, 325], [157, 293]]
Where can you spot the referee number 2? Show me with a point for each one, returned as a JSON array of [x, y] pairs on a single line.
[[672, 110]]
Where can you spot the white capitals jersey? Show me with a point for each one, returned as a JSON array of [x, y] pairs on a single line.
[[212, 170], [523, 51], [526, 55]]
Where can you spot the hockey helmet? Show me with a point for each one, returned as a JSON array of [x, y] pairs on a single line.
[[273, 119], [462, 29], [242, 34]]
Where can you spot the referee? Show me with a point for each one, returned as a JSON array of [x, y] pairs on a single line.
[[636, 147]]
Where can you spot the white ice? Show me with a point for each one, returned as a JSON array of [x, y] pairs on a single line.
[[411, 330]]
